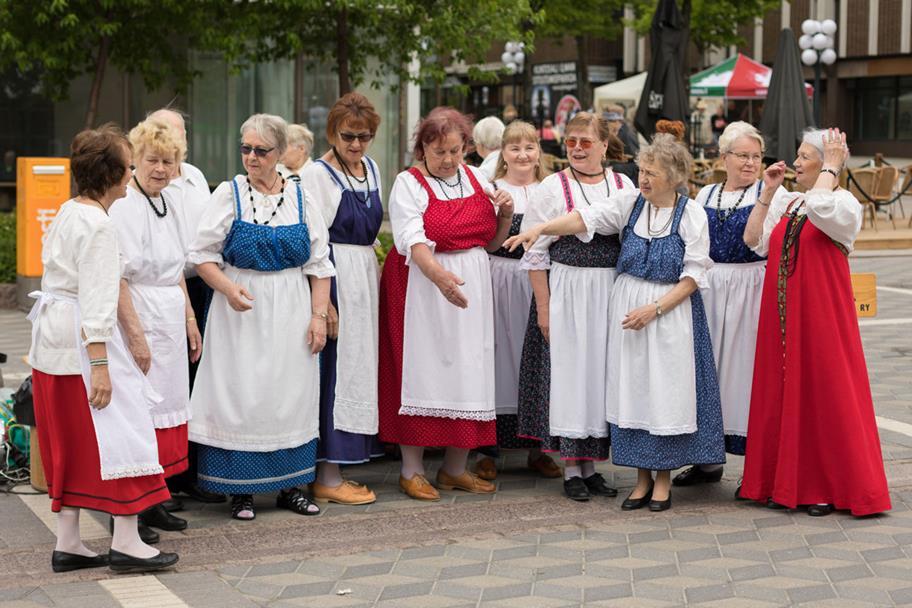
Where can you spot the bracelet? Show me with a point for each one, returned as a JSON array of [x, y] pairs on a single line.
[[659, 311], [832, 172], [191, 319], [320, 315], [98, 362], [762, 204]]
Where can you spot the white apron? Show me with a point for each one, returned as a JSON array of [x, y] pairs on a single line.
[[578, 319], [123, 430], [512, 299], [257, 387], [448, 352], [357, 293]]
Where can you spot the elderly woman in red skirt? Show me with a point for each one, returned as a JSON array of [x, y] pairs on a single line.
[[92, 402], [812, 438], [436, 309]]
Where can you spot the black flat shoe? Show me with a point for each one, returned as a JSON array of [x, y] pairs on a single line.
[[157, 517], [597, 486], [819, 510], [295, 500], [695, 475], [172, 505], [738, 493], [123, 563], [577, 489], [146, 534], [61, 561], [200, 495], [660, 505], [632, 504], [771, 504]]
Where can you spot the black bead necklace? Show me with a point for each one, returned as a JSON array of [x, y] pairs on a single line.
[[164, 210], [351, 176], [604, 175], [723, 215], [443, 182], [253, 204]]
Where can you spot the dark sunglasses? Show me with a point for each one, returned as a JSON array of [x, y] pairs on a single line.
[[260, 152], [350, 137]]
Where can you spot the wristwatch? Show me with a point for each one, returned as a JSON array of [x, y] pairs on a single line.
[[832, 172]]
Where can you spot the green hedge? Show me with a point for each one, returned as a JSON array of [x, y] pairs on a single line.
[[386, 243], [7, 247]]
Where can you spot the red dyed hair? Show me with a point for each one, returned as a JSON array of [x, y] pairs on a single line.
[[439, 123], [355, 108]]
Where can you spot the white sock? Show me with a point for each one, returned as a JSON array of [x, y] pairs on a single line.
[[126, 538], [587, 468], [329, 474], [68, 539], [454, 461], [412, 460], [572, 470]]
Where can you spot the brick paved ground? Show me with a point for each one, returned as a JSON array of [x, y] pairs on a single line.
[[526, 546]]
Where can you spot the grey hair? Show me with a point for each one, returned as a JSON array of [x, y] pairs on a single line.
[[670, 154], [271, 128], [736, 131], [300, 135], [814, 137], [488, 132]]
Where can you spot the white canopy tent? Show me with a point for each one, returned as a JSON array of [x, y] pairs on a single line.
[[626, 92]]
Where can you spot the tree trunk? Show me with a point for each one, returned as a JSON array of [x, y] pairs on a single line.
[[342, 51], [582, 67], [101, 62]]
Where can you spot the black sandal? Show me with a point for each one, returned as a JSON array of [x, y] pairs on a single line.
[[295, 500], [241, 503]]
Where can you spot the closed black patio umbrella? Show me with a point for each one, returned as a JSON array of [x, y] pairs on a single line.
[[786, 113], [664, 94]]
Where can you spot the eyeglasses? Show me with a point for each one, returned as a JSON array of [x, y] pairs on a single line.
[[744, 157], [350, 137], [260, 152], [572, 142]]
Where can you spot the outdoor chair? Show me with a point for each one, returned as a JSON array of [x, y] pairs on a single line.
[[865, 180], [883, 195]]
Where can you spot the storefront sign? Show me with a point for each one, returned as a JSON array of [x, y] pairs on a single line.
[[558, 76]]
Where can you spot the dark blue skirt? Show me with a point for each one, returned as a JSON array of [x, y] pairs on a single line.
[[238, 472]]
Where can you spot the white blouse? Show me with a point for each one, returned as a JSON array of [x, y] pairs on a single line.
[[220, 213], [408, 201], [325, 190], [187, 196], [81, 260], [694, 228], [521, 194], [835, 212], [548, 202]]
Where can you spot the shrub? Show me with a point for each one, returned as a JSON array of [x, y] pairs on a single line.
[[386, 243], [7, 247]]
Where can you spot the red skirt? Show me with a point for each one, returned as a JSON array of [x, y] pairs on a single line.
[[172, 449], [69, 450], [413, 430], [811, 436]]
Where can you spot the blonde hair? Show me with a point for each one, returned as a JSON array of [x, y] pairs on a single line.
[[670, 154], [736, 131], [586, 120], [519, 131], [488, 132], [159, 137]]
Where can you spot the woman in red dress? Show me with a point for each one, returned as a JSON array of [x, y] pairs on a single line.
[[812, 437], [436, 380]]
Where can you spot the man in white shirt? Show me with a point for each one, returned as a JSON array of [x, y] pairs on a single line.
[[189, 193]]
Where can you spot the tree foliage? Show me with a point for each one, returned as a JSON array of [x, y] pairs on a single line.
[[713, 23]]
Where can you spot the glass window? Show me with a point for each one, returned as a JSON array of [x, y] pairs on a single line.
[[875, 108], [904, 109]]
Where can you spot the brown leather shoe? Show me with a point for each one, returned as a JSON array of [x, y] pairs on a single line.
[[486, 468], [545, 466], [348, 493], [418, 487], [470, 482]]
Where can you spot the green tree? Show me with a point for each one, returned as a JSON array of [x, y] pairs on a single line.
[[60, 40], [713, 23]]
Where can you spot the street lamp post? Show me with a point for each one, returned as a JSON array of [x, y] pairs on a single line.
[[513, 59], [817, 44]]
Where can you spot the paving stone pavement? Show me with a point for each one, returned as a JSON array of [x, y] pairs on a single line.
[[526, 546]]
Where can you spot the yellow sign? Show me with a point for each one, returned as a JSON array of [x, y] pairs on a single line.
[[42, 185], [864, 286]]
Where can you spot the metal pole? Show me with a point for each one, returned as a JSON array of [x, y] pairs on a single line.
[[817, 69]]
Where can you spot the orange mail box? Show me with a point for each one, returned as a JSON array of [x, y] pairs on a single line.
[[864, 286], [42, 185]]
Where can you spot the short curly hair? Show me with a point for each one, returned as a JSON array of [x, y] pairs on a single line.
[[355, 108], [99, 158], [670, 154], [160, 137], [440, 122]]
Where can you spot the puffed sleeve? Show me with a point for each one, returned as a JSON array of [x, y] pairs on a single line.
[[130, 227], [835, 212], [99, 272], [407, 203], [544, 205], [703, 194], [778, 206], [214, 225], [694, 231], [326, 193], [611, 216], [319, 264]]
